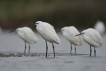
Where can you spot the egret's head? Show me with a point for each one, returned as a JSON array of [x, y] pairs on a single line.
[[35, 23], [17, 30], [38, 22], [64, 29]]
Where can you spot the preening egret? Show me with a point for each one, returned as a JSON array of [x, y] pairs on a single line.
[[93, 38], [48, 34], [27, 35], [100, 27], [69, 33]]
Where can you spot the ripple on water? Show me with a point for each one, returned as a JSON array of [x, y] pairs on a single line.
[[69, 62]]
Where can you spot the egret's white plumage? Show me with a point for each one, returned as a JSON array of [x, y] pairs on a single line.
[[93, 38], [69, 33], [47, 32], [100, 27], [27, 35]]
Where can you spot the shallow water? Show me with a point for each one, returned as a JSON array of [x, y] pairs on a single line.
[[12, 44]]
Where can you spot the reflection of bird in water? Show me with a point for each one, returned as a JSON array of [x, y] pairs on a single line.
[[92, 37], [100, 27], [69, 33], [48, 33], [27, 35]]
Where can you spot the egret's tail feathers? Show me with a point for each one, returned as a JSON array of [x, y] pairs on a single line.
[[58, 42]]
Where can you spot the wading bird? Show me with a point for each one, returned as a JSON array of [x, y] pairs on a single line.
[[100, 27], [92, 37], [48, 34], [69, 33], [27, 35]]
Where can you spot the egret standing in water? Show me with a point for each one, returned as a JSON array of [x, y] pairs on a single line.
[[100, 27], [27, 35], [93, 38], [69, 33], [48, 34]]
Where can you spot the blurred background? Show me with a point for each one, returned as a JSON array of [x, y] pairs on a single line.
[[82, 14], [79, 13]]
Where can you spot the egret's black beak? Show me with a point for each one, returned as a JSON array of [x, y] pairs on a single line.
[[79, 34], [11, 31]]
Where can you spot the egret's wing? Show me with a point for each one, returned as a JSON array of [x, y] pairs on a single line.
[[70, 33], [74, 29], [30, 35], [94, 35], [52, 35], [98, 37], [50, 27], [48, 33], [75, 32]]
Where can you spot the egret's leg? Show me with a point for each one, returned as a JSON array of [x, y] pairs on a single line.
[[29, 49], [46, 48], [75, 49], [94, 51], [90, 50], [53, 49], [71, 49], [25, 48]]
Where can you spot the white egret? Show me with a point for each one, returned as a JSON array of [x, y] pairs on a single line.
[[93, 38], [69, 33], [48, 34], [100, 27], [27, 35]]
